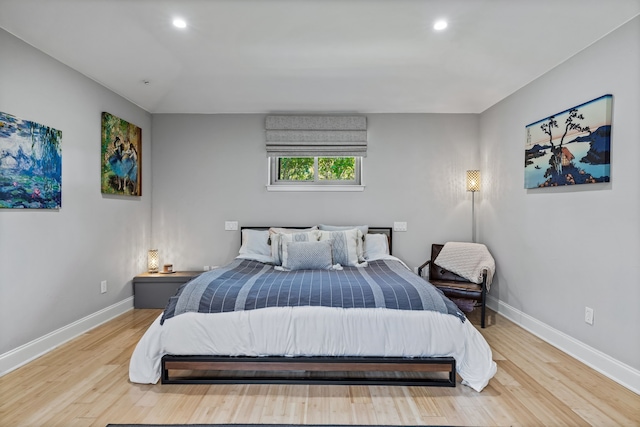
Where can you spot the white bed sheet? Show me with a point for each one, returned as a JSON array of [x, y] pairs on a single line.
[[316, 331]]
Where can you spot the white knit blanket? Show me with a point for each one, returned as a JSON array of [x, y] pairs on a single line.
[[467, 260]]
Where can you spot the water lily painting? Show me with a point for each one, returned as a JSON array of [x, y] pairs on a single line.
[[571, 147], [30, 164], [121, 150]]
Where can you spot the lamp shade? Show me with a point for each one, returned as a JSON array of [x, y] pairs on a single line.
[[473, 180], [153, 261]]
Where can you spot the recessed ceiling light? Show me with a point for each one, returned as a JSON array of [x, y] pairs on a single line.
[[180, 23], [440, 25]]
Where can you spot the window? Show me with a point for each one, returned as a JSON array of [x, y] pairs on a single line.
[[315, 153], [315, 171]]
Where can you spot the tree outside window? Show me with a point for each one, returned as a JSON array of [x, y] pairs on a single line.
[[316, 170]]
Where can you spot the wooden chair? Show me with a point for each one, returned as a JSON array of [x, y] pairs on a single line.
[[454, 286]]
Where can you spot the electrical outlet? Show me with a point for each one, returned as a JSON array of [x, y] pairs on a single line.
[[206, 268], [588, 315], [399, 226], [103, 287], [231, 225]]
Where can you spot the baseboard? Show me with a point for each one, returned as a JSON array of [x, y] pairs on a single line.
[[619, 372], [24, 354]]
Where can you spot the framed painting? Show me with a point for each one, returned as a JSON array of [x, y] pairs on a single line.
[[121, 161], [571, 147], [30, 164]]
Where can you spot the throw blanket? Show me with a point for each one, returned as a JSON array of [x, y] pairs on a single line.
[[467, 260], [249, 285]]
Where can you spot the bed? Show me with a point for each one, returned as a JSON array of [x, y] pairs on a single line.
[[284, 311]]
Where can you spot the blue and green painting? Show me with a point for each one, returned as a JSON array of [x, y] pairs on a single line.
[[121, 149], [30, 164], [571, 147]]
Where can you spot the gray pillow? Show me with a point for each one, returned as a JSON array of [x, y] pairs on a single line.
[[308, 255], [278, 240]]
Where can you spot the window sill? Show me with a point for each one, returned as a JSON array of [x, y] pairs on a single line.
[[312, 188]]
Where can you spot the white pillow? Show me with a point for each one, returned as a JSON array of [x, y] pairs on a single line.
[[363, 228], [345, 246], [279, 249], [255, 242], [308, 255], [274, 230], [375, 246]]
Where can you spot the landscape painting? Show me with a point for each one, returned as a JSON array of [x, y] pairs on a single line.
[[30, 164], [121, 150], [571, 147]]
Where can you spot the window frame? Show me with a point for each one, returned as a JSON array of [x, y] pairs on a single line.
[[275, 184]]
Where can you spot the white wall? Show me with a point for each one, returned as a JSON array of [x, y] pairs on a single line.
[[52, 261], [561, 249], [212, 168]]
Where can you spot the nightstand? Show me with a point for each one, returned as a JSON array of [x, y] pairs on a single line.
[[153, 290]]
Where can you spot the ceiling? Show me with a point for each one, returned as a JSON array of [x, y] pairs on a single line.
[[364, 56]]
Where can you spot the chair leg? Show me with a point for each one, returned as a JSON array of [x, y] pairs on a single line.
[[483, 302]]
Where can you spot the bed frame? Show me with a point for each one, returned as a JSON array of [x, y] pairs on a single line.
[[310, 370], [347, 370]]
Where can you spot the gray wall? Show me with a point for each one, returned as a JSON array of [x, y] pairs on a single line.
[[559, 250], [212, 168], [52, 261]]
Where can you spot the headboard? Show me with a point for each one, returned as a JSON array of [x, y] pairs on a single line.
[[388, 231]]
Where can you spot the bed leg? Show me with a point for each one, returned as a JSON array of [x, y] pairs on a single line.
[[165, 373], [452, 374]]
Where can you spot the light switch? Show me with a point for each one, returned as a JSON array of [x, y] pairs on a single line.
[[231, 225], [399, 226]]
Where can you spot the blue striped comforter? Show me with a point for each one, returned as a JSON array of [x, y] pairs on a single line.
[[251, 285]]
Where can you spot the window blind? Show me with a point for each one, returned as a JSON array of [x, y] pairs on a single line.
[[310, 136]]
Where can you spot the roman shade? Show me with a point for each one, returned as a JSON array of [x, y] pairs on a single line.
[[310, 136]]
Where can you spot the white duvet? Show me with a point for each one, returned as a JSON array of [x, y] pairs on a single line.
[[316, 331]]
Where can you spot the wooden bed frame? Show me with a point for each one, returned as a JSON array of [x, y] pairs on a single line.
[[310, 370]]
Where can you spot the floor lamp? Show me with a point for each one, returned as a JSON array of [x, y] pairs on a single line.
[[473, 185]]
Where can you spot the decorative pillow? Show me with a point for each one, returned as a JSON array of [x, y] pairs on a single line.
[[375, 246], [364, 229], [255, 242], [308, 255], [278, 240], [345, 246]]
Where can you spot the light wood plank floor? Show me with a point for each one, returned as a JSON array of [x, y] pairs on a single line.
[[85, 383]]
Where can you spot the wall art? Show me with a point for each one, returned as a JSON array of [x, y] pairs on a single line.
[[571, 147], [121, 157], [30, 164]]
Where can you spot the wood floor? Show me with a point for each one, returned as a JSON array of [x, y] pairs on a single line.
[[85, 383]]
